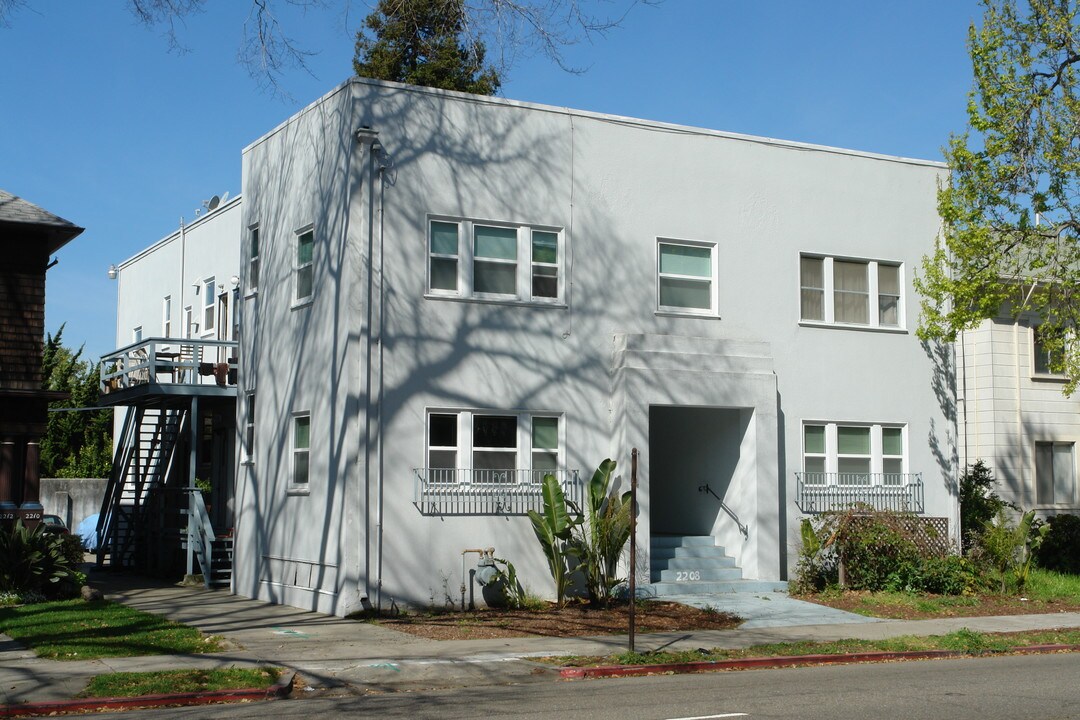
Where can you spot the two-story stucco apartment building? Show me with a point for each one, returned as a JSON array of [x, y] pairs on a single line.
[[442, 297]]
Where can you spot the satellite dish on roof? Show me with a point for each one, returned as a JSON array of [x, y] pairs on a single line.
[[212, 203], [224, 196]]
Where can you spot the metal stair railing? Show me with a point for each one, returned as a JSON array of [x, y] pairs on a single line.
[[108, 524], [201, 534]]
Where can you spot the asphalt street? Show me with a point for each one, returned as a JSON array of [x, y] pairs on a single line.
[[1046, 687]]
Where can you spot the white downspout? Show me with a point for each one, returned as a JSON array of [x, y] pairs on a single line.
[[1019, 410], [379, 397]]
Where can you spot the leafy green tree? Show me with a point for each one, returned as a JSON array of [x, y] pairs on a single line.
[[979, 504], [77, 443], [1011, 208], [423, 42]]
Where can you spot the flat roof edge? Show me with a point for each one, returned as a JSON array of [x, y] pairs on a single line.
[[176, 233]]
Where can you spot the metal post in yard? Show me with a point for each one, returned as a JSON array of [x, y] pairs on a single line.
[[633, 543]]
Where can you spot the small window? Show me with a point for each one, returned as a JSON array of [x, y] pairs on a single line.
[[305, 253], [249, 428], [686, 277], [301, 448], [443, 248], [545, 264], [892, 455], [253, 258], [209, 291], [190, 327], [1055, 473], [166, 317], [1047, 353], [545, 447], [494, 448], [888, 295], [814, 454], [812, 288], [442, 447], [494, 260], [136, 334]]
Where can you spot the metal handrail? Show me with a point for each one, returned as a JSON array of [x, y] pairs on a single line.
[[744, 529], [200, 533], [153, 360]]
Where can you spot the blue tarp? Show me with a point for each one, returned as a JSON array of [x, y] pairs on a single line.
[[87, 530]]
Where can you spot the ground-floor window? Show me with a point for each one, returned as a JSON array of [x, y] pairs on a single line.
[[482, 447], [853, 454], [1055, 473]]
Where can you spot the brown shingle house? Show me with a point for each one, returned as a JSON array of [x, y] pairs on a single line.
[[29, 235]]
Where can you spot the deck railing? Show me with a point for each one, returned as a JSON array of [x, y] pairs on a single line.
[[170, 361], [825, 492], [440, 491]]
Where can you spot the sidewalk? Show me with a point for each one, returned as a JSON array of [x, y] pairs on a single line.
[[351, 656]]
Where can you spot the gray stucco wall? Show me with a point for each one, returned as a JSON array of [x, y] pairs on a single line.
[[73, 499], [374, 351]]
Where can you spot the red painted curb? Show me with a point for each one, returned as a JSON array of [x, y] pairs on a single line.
[[277, 690], [574, 673]]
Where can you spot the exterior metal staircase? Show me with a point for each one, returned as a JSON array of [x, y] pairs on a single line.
[[214, 553], [143, 461], [696, 565]]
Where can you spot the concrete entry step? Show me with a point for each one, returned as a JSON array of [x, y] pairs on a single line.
[[663, 589], [695, 564]]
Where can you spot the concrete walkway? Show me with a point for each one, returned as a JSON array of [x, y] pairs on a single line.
[[351, 656]]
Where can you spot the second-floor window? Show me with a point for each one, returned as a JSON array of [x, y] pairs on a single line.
[[209, 293], [850, 292], [166, 317], [686, 277], [1047, 354], [305, 270], [253, 259], [493, 260]]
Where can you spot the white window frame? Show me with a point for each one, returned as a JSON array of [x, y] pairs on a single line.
[[1066, 502], [208, 307], [136, 334], [1033, 358], [248, 438], [299, 267], [166, 316], [294, 451], [714, 280], [873, 300], [524, 269], [877, 456], [463, 473], [254, 252]]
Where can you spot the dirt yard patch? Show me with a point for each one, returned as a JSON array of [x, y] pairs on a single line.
[[576, 620]]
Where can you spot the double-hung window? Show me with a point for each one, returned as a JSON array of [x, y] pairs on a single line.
[[249, 428], [304, 269], [854, 454], [209, 292], [1055, 474], [253, 259], [166, 317], [301, 449], [686, 277], [842, 291], [1047, 354], [474, 447], [494, 261]]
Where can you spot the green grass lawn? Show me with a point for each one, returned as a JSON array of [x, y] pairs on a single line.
[[1052, 586], [79, 630], [178, 681], [963, 640]]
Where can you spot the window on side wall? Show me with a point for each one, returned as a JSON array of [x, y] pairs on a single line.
[[487, 260], [471, 447], [686, 277], [841, 291], [301, 449], [166, 317], [249, 428], [253, 259], [853, 454], [209, 293], [305, 268], [1047, 354], [1055, 474]]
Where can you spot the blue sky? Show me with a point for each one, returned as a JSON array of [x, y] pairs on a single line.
[[102, 125]]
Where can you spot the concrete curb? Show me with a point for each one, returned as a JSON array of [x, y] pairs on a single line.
[[603, 671], [281, 689]]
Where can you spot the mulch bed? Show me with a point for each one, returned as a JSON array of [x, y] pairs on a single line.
[[574, 620]]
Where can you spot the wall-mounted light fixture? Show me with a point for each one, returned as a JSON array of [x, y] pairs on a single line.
[[114, 272]]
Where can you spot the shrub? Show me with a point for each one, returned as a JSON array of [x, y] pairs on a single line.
[[1060, 549], [817, 567], [979, 504], [36, 562], [1011, 548]]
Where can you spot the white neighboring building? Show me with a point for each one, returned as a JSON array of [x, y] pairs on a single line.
[[445, 296], [1014, 417]]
